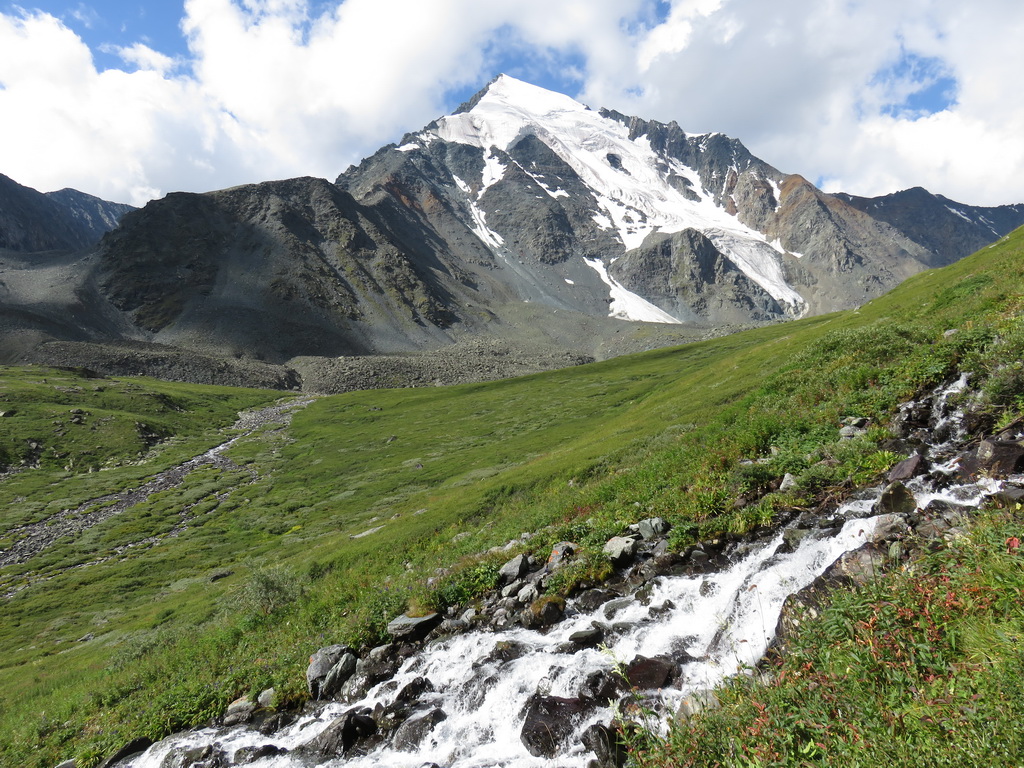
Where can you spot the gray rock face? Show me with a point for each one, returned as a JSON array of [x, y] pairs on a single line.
[[621, 549], [413, 628], [320, 664]]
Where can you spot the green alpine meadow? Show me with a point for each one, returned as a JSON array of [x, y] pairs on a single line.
[[162, 557]]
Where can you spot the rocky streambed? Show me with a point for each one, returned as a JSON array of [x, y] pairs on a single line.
[[29, 540], [522, 679]]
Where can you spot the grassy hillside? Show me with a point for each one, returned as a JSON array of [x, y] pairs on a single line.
[[102, 642]]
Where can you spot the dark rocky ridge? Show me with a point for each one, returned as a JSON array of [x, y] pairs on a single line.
[[56, 221]]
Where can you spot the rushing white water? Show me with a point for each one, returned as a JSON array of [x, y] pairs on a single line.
[[726, 620]]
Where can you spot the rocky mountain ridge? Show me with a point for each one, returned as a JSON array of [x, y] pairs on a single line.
[[524, 220]]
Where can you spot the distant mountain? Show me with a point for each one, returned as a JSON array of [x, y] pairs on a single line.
[[67, 220], [946, 228], [525, 219]]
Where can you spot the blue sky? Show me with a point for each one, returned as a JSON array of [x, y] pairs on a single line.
[[131, 100]]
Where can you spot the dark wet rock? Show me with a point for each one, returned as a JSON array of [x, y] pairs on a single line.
[[412, 629], [1008, 496], [607, 745], [514, 569], [410, 734], [549, 723], [320, 663], [275, 722], [544, 612], [652, 673], [341, 735], [252, 754], [503, 651], [662, 608], [895, 500], [587, 638], [133, 747], [209, 756], [592, 599], [602, 686], [995, 458], [908, 468], [663, 564], [414, 690], [612, 607], [645, 594], [378, 665]]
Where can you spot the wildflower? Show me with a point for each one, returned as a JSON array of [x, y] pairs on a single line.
[[1012, 545]]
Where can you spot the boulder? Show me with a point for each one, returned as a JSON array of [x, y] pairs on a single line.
[[320, 663], [340, 736], [608, 748], [514, 569], [549, 722], [562, 551], [695, 703], [377, 666], [895, 500], [908, 468], [587, 638], [240, 710], [652, 528], [663, 564], [592, 599], [544, 612], [1009, 496], [651, 673], [411, 629], [410, 734], [338, 676], [133, 747], [621, 549], [995, 458], [602, 686]]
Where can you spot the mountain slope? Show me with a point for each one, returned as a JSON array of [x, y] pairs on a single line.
[[66, 220], [524, 220]]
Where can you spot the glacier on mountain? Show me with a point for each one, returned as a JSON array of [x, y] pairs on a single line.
[[628, 178]]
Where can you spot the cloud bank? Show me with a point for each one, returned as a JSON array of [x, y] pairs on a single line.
[[867, 97]]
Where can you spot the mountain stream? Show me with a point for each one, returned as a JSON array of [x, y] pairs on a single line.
[[720, 624]]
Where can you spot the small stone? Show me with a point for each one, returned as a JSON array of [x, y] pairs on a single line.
[[266, 698], [788, 483]]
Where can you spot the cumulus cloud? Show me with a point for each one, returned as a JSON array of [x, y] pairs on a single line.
[[868, 97]]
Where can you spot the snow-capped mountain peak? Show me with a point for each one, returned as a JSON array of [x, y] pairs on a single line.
[[638, 190]]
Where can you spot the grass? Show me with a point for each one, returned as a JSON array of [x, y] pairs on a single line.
[[444, 474]]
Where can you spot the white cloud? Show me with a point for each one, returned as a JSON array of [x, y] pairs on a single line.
[[272, 88]]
